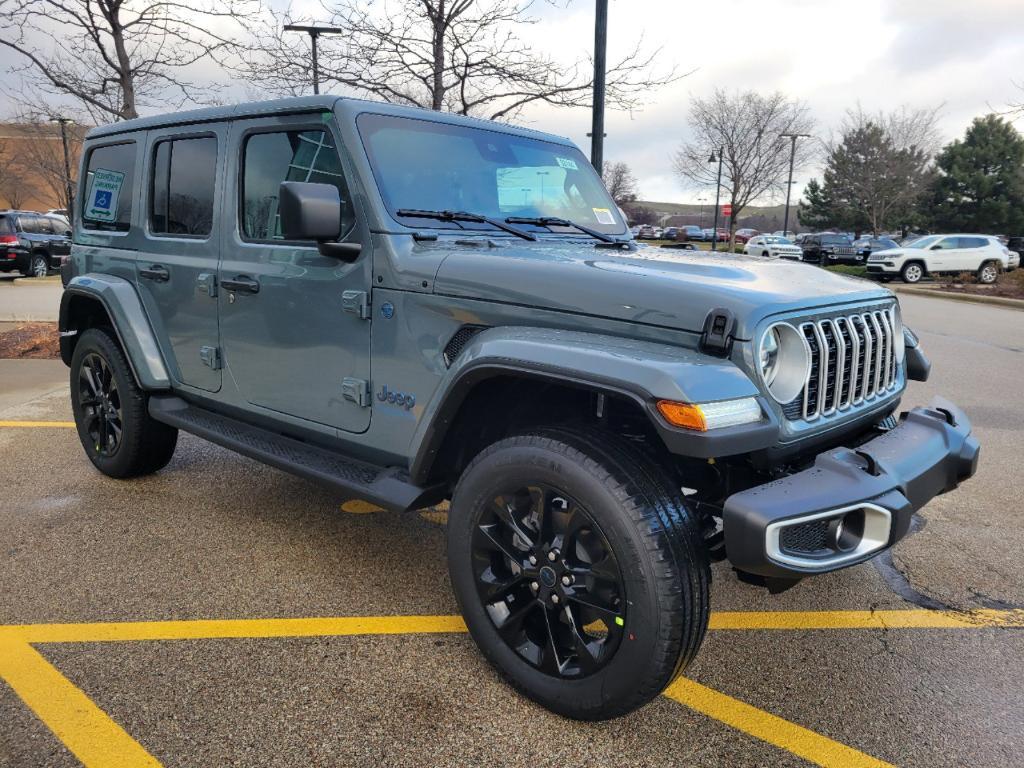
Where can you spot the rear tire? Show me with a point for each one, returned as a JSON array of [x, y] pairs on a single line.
[[118, 434], [630, 521], [988, 273]]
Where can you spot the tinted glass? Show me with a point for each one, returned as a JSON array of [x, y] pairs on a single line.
[[45, 225], [108, 186], [972, 242], [184, 171], [422, 164], [948, 244], [922, 242], [269, 159], [29, 224], [6, 226]]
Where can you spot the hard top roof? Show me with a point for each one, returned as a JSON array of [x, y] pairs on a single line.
[[326, 103]]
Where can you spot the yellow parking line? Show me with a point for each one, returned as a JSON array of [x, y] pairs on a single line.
[[38, 424], [913, 619], [802, 742], [85, 729], [208, 629]]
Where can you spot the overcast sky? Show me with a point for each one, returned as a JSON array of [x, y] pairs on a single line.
[[967, 55]]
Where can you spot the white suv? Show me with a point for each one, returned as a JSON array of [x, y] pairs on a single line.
[[983, 255], [773, 247]]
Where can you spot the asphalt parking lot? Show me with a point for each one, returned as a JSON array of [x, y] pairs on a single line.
[[216, 613]]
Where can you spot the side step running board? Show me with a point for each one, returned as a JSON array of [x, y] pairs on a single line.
[[388, 487]]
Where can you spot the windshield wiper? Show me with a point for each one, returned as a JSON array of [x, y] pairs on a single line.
[[458, 216], [554, 221]]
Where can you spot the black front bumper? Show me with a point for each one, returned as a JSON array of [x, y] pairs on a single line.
[[795, 526]]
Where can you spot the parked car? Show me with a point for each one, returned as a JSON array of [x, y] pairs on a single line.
[[743, 235], [658, 233], [1016, 246], [32, 243], [867, 245], [670, 233], [983, 255], [647, 232], [560, 395], [709, 235], [690, 232], [772, 247], [827, 249]]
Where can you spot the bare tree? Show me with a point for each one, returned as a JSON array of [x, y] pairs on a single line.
[[114, 56], [42, 150], [15, 186], [462, 56], [746, 127], [620, 182]]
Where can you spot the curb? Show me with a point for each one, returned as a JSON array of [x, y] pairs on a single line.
[[998, 301]]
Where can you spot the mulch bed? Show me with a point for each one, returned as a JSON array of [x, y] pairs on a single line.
[[1008, 287], [31, 340]]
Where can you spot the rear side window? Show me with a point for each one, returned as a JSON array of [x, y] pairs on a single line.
[[269, 159], [109, 178], [29, 224], [973, 242], [181, 199]]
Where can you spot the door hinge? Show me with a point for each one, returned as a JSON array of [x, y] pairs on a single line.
[[356, 302], [210, 357], [208, 284], [356, 390]]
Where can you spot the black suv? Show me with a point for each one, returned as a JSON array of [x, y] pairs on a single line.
[[830, 249], [32, 243]]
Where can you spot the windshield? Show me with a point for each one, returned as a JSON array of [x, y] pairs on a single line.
[[425, 165], [922, 242]]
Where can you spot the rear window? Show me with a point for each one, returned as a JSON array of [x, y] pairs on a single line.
[[6, 225], [109, 178], [183, 177]]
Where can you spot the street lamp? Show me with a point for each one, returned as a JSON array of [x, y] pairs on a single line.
[[718, 192], [789, 185], [314, 33], [701, 200], [64, 122], [542, 174], [597, 112]]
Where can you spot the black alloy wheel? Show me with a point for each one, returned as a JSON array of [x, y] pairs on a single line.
[[549, 580], [101, 404]]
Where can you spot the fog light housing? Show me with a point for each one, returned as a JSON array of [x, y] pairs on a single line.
[[702, 417]]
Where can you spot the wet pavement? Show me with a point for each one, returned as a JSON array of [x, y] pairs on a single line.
[[217, 536]]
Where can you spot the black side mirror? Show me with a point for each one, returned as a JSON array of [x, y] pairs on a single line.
[[313, 212]]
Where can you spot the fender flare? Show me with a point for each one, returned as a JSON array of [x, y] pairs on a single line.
[[124, 308], [642, 371]]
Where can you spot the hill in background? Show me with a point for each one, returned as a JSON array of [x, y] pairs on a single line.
[[765, 218]]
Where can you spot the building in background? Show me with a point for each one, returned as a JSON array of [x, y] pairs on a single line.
[[32, 175]]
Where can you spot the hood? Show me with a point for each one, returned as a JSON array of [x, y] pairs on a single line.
[[655, 286]]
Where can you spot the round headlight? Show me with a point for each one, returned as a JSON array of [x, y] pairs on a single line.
[[899, 340], [783, 361]]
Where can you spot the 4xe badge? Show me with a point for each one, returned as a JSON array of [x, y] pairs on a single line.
[[396, 398]]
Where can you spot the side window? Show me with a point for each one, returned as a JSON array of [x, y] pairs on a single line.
[[947, 244], [28, 225], [269, 159], [45, 225], [182, 186], [6, 225], [972, 242], [109, 178]]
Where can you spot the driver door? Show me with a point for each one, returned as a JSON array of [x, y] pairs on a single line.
[[291, 344]]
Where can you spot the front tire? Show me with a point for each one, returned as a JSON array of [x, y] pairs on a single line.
[[579, 569], [912, 272], [118, 434]]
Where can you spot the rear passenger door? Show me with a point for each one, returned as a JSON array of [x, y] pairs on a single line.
[[970, 253], [176, 269]]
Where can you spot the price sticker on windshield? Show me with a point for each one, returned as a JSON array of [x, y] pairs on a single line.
[[106, 188], [568, 163], [603, 215]]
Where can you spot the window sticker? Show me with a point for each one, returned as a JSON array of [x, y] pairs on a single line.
[[106, 187], [567, 163], [603, 216]]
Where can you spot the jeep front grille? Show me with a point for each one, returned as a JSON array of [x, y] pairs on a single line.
[[853, 360]]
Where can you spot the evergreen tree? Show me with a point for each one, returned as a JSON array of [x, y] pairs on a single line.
[[980, 184]]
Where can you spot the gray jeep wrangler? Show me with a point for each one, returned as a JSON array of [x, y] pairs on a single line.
[[412, 307]]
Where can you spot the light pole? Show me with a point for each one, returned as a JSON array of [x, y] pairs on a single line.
[[314, 33], [597, 116], [789, 185], [718, 192], [69, 192], [701, 200], [542, 174]]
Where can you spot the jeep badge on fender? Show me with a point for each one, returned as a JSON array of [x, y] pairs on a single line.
[[568, 385]]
